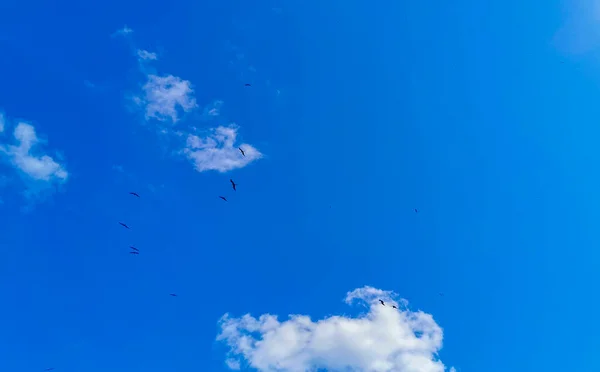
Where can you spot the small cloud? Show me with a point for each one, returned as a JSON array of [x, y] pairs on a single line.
[[40, 172], [122, 32], [213, 109], [162, 95], [233, 364], [2, 121], [145, 55], [38, 167], [218, 151], [383, 339]]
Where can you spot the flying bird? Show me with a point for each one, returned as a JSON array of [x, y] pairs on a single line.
[[172, 295], [122, 224], [134, 194], [382, 302], [394, 306], [247, 85], [222, 197], [242, 151], [416, 210], [134, 248], [441, 294], [134, 252], [232, 184], [49, 369]]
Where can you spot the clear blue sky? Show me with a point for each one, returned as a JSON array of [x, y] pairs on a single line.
[[467, 111]]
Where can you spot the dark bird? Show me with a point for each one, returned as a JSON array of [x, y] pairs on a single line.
[[394, 306], [222, 197], [416, 210], [134, 252], [441, 294], [242, 151], [134, 194], [232, 184], [247, 85], [49, 369], [172, 295], [122, 224], [134, 248], [382, 302]]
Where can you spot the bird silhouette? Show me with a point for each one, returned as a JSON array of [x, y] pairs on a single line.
[[172, 295], [134, 248], [222, 197], [134, 194], [383, 303], [247, 85], [242, 151], [394, 306], [49, 369], [416, 210], [441, 294], [124, 225], [232, 184], [134, 252]]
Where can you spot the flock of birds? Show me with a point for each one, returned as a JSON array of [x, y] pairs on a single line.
[[136, 251]]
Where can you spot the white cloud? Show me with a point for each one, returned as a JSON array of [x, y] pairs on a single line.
[[213, 109], [382, 340], [2, 122], [123, 31], [27, 158], [162, 95], [146, 55], [218, 150], [233, 364]]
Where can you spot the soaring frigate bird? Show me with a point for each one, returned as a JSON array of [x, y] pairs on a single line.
[[122, 224], [134, 194], [232, 184], [222, 197], [242, 151]]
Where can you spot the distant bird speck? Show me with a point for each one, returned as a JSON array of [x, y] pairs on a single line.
[[49, 369], [122, 224], [172, 295], [222, 197], [134, 252], [383, 303], [441, 294], [242, 151], [394, 306], [134, 194], [416, 210], [134, 248], [247, 85], [232, 184]]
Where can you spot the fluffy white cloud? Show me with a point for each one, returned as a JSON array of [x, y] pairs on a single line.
[[218, 151], [26, 156], [163, 95], [383, 339], [146, 55]]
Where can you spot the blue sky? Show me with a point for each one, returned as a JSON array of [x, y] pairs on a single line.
[[481, 115]]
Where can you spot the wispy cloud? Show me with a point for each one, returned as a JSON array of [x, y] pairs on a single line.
[[162, 96], [218, 150], [2, 121], [145, 55], [213, 109], [123, 31], [383, 339]]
